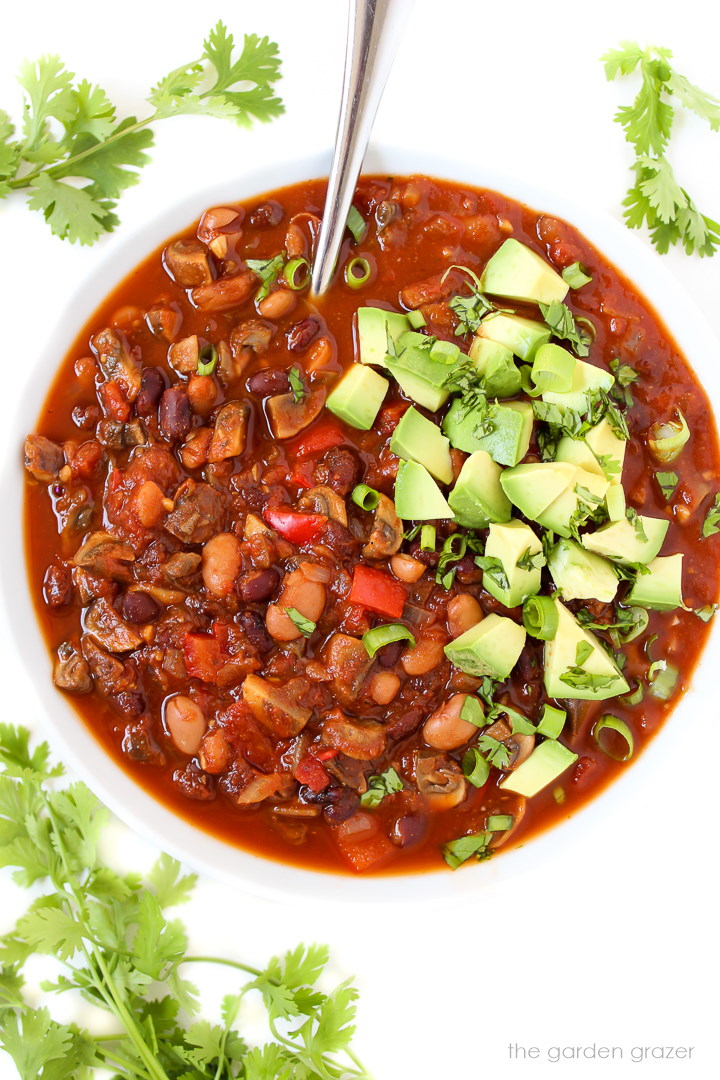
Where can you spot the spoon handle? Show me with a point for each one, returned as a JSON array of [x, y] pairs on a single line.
[[374, 28]]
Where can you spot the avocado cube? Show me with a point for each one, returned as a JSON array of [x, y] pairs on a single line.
[[608, 448], [586, 379], [508, 439], [508, 543], [587, 491], [478, 498], [533, 487], [561, 657], [421, 375], [417, 496], [661, 588], [577, 452], [580, 574], [358, 396], [548, 761], [519, 273], [615, 502], [522, 336], [619, 539], [491, 647], [501, 377], [373, 326], [418, 438]]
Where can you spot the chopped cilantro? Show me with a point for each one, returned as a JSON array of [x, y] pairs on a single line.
[[711, 524], [268, 270], [493, 568], [305, 626], [387, 783], [456, 852], [495, 751], [559, 318], [296, 385], [667, 481]]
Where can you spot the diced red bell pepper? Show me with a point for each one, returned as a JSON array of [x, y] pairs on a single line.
[[377, 591], [322, 437], [361, 843], [312, 773], [302, 474], [295, 527], [203, 656]]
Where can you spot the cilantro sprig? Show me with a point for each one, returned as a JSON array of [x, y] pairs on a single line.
[[75, 156], [657, 199], [118, 948]]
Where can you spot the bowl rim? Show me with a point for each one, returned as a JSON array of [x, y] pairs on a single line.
[[125, 796]]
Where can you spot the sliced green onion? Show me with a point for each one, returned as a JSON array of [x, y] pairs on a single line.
[[667, 440], [444, 352], [576, 276], [553, 369], [380, 636], [635, 697], [428, 535], [540, 617], [416, 319], [559, 795], [552, 722], [614, 723], [297, 274], [365, 497], [526, 383], [357, 224], [305, 626], [207, 360], [500, 822], [662, 680], [473, 712], [296, 385], [705, 613], [357, 272], [475, 768]]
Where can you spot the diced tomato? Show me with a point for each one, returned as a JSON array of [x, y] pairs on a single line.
[[583, 768], [203, 656], [377, 591], [113, 401], [390, 416], [295, 527], [361, 843], [311, 772], [326, 755], [323, 437]]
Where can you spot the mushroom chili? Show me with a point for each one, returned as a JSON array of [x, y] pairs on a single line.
[[404, 573]]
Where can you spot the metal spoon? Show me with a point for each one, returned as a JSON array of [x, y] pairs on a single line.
[[374, 28]]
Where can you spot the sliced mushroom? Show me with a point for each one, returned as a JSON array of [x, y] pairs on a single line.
[[72, 671], [520, 747], [43, 458], [347, 661], [349, 772], [247, 340], [363, 741], [112, 676], [197, 513], [110, 629], [387, 532], [230, 432], [164, 321], [183, 356], [187, 262], [289, 417], [274, 707], [181, 565], [117, 362], [106, 556], [439, 779], [323, 500], [226, 292], [515, 806]]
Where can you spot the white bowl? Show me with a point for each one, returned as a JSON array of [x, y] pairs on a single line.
[[135, 806]]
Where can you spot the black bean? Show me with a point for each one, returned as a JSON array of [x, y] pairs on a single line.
[[341, 804], [255, 631], [268, 381], [174, 415], [408, 829], [140, 607], [152, 384], [258, 585], [301, 334], [266, 214], [389, 655], [467, 571]]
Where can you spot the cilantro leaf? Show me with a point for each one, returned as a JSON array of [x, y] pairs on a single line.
[[667, 482], [305, 626], [296, 385], [387, 783], [456, 852], [561, 321], [711, 524], [495, 752], [268, 270]]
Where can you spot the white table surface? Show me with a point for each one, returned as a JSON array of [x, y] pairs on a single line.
[[611, 941]]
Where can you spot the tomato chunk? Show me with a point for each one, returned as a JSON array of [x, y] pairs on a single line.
[[323, 437], [311, 772], [362, 844], [377, 591], [295, 527], [203, 656]]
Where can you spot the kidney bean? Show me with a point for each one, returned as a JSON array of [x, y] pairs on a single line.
[[152, 384], [258, 585], [269, 381], [341, 804], [255, 631], [301, 334], [174, 414], [267, 214], [140, 607], [408, 829], [467, 572], [389, 655]]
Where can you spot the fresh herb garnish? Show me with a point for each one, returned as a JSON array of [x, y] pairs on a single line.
[[296, 385], [520, 724], [711, 524], [456, 852], [576, 275], [636, 522], [705, 613], [110, 933], [629, 623], [470, 310], [495, 751], [559, 318], [625, 376], [472, 711], [268, 270], [76, 157], [494, 569], [453, 549], [387, 783], [531, 561], [305, 626], [657, 198], [667, 482], [583, 680]]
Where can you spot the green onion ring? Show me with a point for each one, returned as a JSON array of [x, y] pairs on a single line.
[[353, 279], [499, 822], [380, 636], [365, 497], [553, 369], [614, 723], [428, 534], [475, 768], [540, 617], [297, 274]]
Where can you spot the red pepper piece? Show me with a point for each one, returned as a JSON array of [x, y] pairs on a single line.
[[295, 527], [377, 591], [322, 437]]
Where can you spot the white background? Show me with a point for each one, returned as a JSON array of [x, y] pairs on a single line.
[[611, 941]]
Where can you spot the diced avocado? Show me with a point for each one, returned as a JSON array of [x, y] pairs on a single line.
[[510, 425], [519, 273], [522, 336], [580, 574], [509, 543], [586, 379], [561, 656], [421, 375], [373, 326], [577, 452], [621, 541], [358, 396], [418, 438], [615, 502], [491, 647], [417, 496], [661, 588], [608, 449], [533, 487], [548, 761], [477, 498], [586, 492], [496, 365]]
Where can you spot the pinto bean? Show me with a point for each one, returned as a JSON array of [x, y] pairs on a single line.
[[277, 304], [384, 687], [301, 593], [406, 568], [426, 655], [463, 612], [147, 503], [226, 292], [174, 415], [269, 381], [445, 729], [221, 562], [202, 392], [185, 723]]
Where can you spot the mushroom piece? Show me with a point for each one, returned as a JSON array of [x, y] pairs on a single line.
[[323, 500], [247, 340], [72, 671], [43, 458], [187, 263], [183, 356], [230, 432], [111, 676], [520, 748], [439, 779], [105, 555], [347, 661], [109, 629], [362, 741], [387, 531], [289, 417], [117, 362], [181, 565], [516, 805], [197, 513], [274, 707], [225, 293]]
